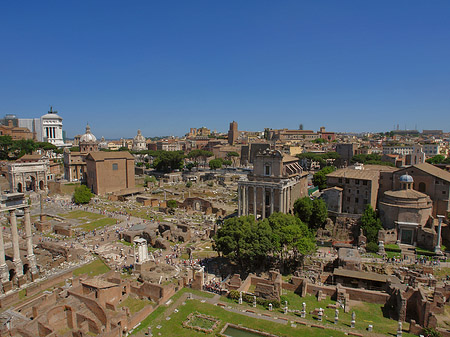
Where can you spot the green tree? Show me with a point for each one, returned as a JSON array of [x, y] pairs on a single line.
[[189, 184], [291, 238], [200, 154], [312, 212], [168, 161], [227, 162], [370, 224], [82, 195], [215, 164], [438, 159], [172, 204], [243, 240], [190, 166], [320, 179], [303, 208], [319, 213]]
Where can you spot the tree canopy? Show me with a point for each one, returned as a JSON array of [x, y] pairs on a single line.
[[14, 149], [370, 224], [312, 212], [215, 164], [369, 159], [82, 195], [438, 159], [168, 161], [249, 242], [321, 158], [320, 179]]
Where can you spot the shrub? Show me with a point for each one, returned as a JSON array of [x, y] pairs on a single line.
[[172, 203], [372, 247], [82, 195], [189, 184]]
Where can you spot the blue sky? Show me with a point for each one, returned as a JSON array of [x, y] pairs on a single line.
[[166, 66]]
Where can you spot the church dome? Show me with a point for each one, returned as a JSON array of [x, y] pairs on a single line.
[[139, 137], [406, 178], [88, 137]]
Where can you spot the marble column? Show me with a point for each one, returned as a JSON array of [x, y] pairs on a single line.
[[239, 201], [272, 201], [263, 202], [281, 200], [29, 238], [15, 242], [246, 201], [254, 201], [4, 274], [437, 249]]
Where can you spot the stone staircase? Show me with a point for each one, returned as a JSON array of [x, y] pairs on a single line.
[[408, 251]]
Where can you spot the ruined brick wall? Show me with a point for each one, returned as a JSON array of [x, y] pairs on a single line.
[[367, 295], [140, 316]]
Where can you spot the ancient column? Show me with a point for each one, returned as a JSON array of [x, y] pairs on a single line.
[[15, 242], [272, 201], [4, 275], [254, 201], [239, 201], [247, 201], [281, 200], [29, 239], [263, 202], [437, 249]]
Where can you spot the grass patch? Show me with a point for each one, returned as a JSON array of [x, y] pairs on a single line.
[[22, 294], [79, 214], [392, 248], [393, 254], [98, 224], [94, 268], [174, 326], [126, 243], [134, 304], [200, 322]]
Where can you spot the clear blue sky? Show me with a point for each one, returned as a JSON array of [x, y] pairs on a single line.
[[165, 66]]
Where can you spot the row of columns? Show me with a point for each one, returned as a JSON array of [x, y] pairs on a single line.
[[284, 196], [18, 266]]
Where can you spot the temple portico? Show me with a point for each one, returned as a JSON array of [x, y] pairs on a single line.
[[16, 272], [273, 186]]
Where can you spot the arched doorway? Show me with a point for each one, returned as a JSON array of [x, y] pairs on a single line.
[[12, 274], [422, 187], [30, 182], [26, 269], [41, 185], [19, 187]]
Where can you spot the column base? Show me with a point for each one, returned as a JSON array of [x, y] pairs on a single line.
[[4, 273], [32, 264], [18, 266]]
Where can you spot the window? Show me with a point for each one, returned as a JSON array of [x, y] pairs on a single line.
[[357, 181], [347, 181], [365, 182], [348, 198], [443, 192], [356, 200], [267, 170], [340, 180], [115, 167], [437, 182], [357, 191]]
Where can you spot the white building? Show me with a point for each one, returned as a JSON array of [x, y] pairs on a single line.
[[48, 128], [139, 142]]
